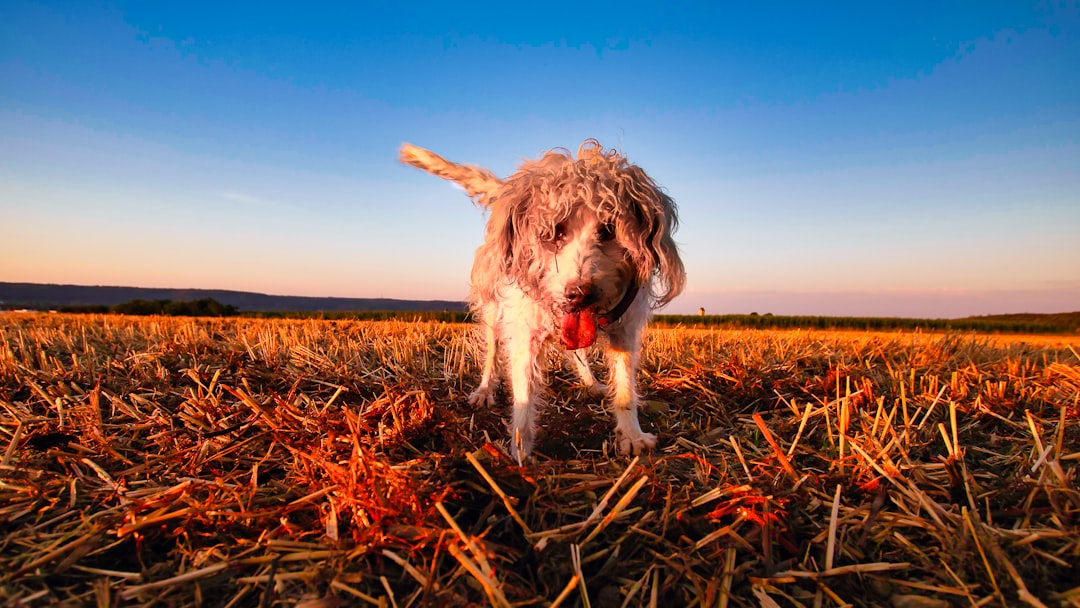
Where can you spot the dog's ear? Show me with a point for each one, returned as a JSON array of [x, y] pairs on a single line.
[[495, 256], [479, 183], [649, 233], [669, 266], [521, 211]]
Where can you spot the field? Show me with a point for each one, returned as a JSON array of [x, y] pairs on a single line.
[[246, 462]]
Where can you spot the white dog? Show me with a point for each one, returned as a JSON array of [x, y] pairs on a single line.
[[573, 247]]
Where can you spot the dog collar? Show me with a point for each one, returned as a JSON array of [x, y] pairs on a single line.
[[614, 314]]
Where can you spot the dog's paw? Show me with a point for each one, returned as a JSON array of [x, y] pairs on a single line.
[[483, 395], [521, 445], [635, 443]]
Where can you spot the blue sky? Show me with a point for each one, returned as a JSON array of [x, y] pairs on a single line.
[[864, 158]]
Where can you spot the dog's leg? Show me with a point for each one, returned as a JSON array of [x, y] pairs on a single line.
[[522, 353], [623, 356], [581, 365], [485, 393]]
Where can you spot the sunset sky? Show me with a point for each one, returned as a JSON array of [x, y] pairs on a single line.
[[858, 158]]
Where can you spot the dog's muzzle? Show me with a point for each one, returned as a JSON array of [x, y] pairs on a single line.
[[580, 325]]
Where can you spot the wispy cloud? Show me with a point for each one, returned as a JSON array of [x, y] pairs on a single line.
[[249, 200]]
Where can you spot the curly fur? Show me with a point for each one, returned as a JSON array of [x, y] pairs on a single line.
[[566, 235]]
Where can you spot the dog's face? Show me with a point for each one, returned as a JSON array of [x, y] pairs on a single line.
[[582, 264], [584, 273], [578, 235]]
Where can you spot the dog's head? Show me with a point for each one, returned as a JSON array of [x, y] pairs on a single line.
[[580, 236]]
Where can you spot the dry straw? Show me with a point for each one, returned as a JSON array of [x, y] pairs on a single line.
[[205, 462]]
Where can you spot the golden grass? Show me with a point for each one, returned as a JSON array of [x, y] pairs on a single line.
[[202, 462]]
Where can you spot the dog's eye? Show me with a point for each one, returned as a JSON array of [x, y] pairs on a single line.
[[606, 232], [560, 234]]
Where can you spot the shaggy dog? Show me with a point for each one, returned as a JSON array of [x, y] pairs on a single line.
[[573, 247]]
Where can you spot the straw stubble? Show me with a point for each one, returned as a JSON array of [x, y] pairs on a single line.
[[232, 462]]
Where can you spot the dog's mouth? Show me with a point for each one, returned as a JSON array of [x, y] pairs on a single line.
[[580, 326]]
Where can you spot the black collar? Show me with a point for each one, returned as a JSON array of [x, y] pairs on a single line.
[[614, 314]]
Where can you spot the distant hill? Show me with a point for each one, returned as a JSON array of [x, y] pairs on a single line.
[[47, 296]]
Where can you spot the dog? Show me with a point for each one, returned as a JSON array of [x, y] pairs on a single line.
[[573, 247]]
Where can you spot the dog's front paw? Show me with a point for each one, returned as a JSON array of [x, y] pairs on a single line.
[[635, 443], [521, 444], [483, 395]]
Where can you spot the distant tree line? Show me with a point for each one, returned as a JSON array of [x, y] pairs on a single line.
[[438, 316], [203, 307], [768, 321], [1007, 324], [209, 307]]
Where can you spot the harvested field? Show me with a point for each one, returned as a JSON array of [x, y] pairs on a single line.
[[202, 462]]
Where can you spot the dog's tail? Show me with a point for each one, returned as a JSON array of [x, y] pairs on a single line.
[[478, 182]]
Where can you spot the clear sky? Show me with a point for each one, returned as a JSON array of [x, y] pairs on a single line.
[[864, 158]]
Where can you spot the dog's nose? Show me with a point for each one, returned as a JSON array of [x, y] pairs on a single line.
[[580, 295]]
